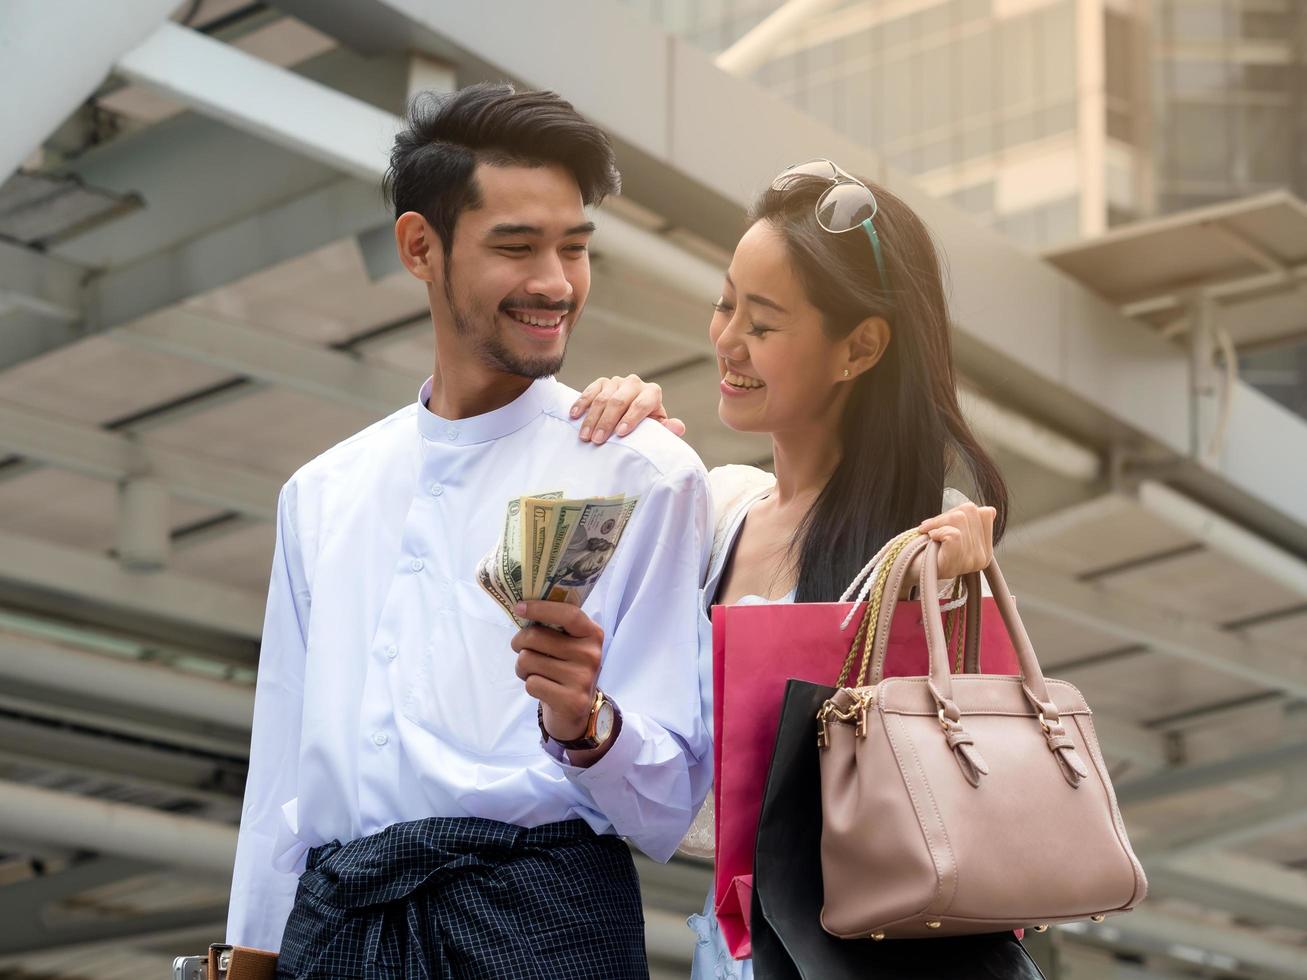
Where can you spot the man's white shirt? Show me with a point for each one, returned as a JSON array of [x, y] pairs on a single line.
[[386, 689]]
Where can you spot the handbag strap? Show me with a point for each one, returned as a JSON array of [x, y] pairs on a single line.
[[893, 562], [1032, 677], [875, 599]]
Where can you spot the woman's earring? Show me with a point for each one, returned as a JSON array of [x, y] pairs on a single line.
[[846, 372]]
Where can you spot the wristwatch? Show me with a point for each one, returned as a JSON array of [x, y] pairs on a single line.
[[605, 721]]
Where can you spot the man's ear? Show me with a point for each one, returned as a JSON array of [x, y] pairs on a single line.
[[865, 346], [419, 246]]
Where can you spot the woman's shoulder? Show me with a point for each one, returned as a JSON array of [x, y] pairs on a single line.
[[730, 485]]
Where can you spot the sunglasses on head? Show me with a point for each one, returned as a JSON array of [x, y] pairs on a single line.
[[846, 204]]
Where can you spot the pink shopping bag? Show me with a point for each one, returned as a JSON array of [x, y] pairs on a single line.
[[756, 649]]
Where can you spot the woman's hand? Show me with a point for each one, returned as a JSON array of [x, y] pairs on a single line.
[[617, 405], [966, 542]]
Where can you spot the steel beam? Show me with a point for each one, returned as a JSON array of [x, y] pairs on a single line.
[[150, 687], [1238, 826], [1186, 779], [1274, 665], [40, 283], [88, 35], [122, 829], [1254, 890], [336, 129], [755, 49], [1225, 950], [169, 596], [221, 256], [271, 358], [108, 456], [258, 97]]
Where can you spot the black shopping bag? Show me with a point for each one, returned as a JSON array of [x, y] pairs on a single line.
[[788, 940]]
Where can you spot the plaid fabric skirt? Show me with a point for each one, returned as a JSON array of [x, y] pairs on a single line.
[[448, 899]]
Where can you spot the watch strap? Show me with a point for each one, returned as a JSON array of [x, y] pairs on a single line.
[[587, 740]]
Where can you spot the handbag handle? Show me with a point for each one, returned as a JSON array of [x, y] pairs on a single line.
[[916, 543], [891, 567], [1032, 677], [863, 638]]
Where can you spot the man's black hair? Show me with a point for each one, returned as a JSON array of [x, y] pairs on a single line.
[[447, 135]]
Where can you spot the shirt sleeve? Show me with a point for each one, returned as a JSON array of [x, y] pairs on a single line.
[[653, 779], [261, 896]]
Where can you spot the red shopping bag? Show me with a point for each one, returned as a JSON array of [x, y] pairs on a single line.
[[756, 649]]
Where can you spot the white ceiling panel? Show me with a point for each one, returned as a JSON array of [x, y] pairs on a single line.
[[240, 557], [1151, 685], [273, 431], [1205, 585], [1289, 630], [99, 379], [71, 509], [324, 297], [1060, 641], [1102, 533]]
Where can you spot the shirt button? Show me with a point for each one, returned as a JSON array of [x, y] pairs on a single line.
[[436, 489], [380, 738], [451, 433], [416, 564], [392, 652]]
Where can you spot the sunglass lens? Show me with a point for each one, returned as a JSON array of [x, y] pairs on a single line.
[[844, 207], [813, 168]]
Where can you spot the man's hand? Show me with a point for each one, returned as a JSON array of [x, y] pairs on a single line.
[[560, 669]]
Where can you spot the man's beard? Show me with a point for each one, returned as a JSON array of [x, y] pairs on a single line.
[[488, 344]]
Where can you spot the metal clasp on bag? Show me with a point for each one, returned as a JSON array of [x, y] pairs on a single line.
[[856, 713]]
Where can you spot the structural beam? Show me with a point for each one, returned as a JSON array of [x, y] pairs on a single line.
[[258, 97], [1253, 889], [1037, 443], [1187, 779], [1093, 604], [221, 256], [27, 925], [121, 829], [343, 132], [1223, 535], [109, 456], [40, 283], [52, 88], [271, 358], [168, 596], [1238, 826], [755, 48], [1225, 950], [150, 687]]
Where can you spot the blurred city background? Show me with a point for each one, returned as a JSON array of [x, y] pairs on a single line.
[[199, 292]]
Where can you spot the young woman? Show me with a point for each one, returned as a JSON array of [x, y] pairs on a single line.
[[832, 336]]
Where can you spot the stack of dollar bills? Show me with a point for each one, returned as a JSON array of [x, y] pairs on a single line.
[[553, 548]]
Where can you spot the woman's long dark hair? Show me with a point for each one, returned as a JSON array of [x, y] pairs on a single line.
[[902, 427]]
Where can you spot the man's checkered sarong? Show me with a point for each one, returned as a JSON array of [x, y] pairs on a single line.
[[448, 899]]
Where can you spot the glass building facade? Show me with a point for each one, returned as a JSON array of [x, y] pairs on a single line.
[[1048, 119]]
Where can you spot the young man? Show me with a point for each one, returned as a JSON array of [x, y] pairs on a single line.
[[433, 792]]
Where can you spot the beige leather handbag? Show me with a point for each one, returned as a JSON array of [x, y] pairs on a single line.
[[969, 803]]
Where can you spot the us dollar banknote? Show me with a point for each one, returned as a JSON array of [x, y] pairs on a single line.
[[591, 543], [552, 548]]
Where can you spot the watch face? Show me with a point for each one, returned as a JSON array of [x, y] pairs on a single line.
[[604, 722]]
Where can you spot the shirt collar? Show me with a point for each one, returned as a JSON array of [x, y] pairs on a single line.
[[487, 427]]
